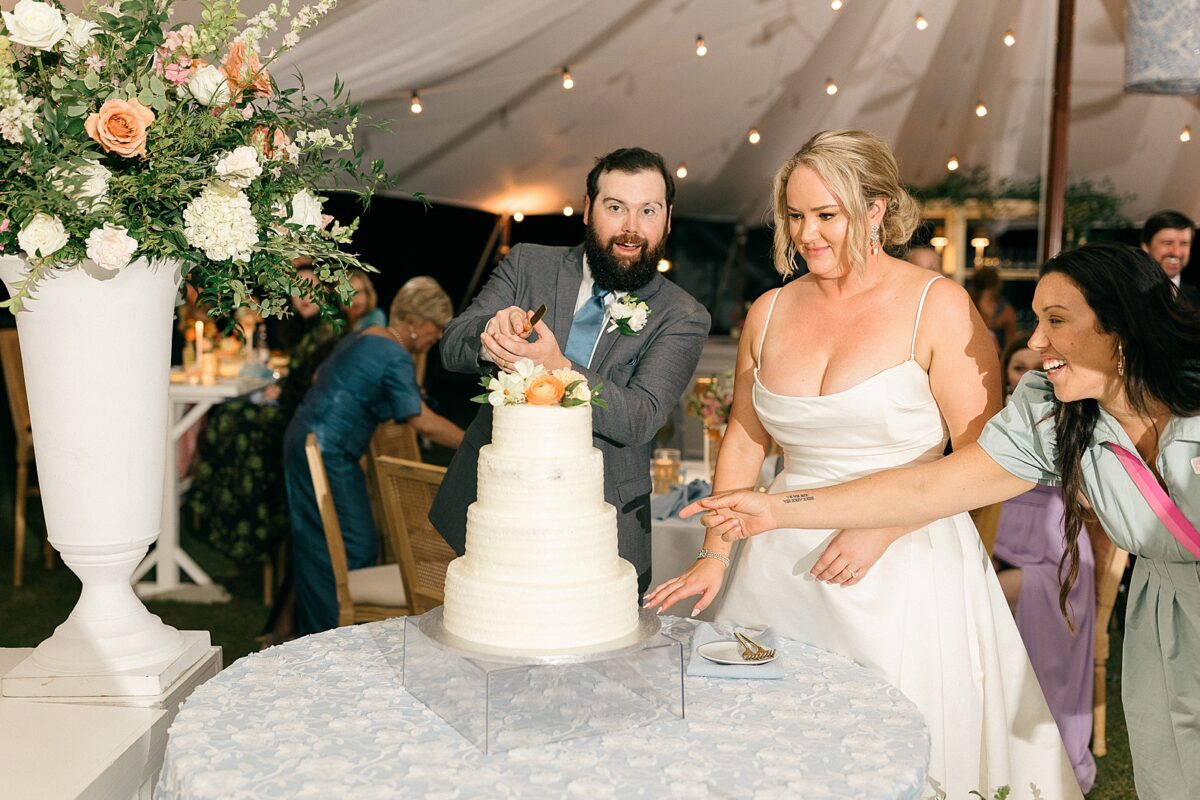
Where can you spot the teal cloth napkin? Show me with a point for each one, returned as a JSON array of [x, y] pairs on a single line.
[[668, 505], [701, 667]]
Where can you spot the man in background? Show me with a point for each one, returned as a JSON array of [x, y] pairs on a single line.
[[1167, 237]]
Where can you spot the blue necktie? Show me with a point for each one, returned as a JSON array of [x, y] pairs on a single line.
[[585, 330]]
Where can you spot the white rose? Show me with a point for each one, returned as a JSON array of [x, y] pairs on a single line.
[[239, 167], [35, 24], [209, 86], [111, 246], [42, 236], [92, 192], [306, 210], [80, 33], [637, 320], [620, 311]]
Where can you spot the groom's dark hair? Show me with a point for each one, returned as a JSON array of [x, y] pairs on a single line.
[[630, 160]]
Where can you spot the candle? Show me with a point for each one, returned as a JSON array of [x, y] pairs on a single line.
[[199, 342]]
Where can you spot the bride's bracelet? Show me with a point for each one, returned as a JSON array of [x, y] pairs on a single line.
[[724, 559]]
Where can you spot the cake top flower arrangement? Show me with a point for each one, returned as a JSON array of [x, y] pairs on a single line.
[[531, 384], [123, 136]]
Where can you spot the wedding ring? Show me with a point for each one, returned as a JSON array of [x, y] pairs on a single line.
[[853, 573]]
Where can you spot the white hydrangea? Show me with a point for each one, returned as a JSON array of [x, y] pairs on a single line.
[[239, 167], [15, 118], [111, 246], [220, 222], [89, 194]]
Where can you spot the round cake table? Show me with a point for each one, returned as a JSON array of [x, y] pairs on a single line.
[[325, 716]]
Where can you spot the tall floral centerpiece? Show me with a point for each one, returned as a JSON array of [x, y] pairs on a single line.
[[137, 152], [710, 400]]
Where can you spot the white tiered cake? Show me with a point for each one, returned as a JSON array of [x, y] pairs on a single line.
[[541, 570]]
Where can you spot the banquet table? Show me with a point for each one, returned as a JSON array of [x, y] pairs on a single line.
[[326, 716], [188, 403]]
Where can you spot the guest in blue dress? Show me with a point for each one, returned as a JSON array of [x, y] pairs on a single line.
[[368, 379], [363, 310]]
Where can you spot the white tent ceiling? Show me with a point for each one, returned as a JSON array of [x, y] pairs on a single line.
[[499, 132]]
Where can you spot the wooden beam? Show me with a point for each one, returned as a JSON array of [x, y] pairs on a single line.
[[1054, 197]]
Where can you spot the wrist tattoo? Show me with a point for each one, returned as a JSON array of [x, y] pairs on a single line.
[[798, 497]]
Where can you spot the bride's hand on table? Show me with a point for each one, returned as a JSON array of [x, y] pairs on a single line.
[[703, 578], [737, 514], [851, 554]]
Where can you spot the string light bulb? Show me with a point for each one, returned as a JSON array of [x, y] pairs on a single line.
[[836, 5], [567, 81], [831, 88], [568, 210], [518, 216], [414, 103], [980, 108], [664, 265], [1185, 135], [1010, 38], [952, 164], [753, 136], [701, 46], [921, 22], [681, 171]]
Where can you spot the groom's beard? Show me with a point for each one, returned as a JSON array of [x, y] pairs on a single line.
[[617, 274]]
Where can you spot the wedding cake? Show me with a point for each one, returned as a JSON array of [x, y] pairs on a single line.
[[541, 570]]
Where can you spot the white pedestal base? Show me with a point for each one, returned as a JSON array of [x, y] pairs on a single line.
[[183, 593], [30, 680]]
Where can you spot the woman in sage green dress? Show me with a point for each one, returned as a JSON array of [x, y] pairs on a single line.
[[1114, 340]]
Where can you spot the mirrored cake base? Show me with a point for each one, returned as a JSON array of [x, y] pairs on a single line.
[[498, 701]]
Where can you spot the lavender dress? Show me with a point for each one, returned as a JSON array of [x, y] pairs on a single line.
[[1030, 536]]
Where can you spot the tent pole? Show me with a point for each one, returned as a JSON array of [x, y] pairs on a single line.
[[501, 224], [1060, 118]]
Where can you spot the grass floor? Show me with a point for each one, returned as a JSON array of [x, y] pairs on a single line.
[[29, 614]]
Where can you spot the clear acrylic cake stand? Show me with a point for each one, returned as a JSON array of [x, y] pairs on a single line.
[[501, 699]]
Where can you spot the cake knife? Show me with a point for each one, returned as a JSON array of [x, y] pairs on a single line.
[[537, 315]]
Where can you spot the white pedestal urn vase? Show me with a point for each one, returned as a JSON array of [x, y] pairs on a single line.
[[96, 351]]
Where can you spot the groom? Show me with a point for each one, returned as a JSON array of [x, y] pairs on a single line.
[[642, 375]]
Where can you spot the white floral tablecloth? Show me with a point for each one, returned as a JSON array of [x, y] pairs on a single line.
[[325, 717]]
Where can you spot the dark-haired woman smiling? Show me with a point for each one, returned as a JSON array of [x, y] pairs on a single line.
[[1115, 420]]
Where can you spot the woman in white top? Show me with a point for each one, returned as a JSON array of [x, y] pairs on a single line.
[[864, 364]]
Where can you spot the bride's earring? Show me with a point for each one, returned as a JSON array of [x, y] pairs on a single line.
[[874, 240], [1120, 360]]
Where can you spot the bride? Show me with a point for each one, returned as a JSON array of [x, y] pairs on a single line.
[[864, 364]]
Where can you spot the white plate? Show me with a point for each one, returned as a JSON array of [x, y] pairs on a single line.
[[728, 652]]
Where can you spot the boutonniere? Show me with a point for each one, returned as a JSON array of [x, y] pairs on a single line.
[[628, 315]]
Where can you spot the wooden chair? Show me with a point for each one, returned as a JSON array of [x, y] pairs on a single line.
[[1110, 567], [398, 440], [363, 595], [18, 403], [408, 489]]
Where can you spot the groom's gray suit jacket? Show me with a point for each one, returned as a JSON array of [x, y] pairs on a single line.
[[641, 378]]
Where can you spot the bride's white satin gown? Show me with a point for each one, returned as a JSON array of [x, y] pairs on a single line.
[[929, 616]]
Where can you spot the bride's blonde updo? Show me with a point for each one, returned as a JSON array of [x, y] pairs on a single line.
[[858, 167]]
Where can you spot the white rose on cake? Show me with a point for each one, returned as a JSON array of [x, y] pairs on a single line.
[[42, 236], [580, 390], [35, 24], [111, 246]]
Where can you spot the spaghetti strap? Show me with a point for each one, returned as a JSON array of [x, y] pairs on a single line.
[[762, 337], [912, 348]]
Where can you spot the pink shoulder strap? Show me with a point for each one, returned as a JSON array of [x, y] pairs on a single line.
[[1160, 502]]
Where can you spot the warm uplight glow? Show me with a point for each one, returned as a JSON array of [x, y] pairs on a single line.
[[568, 210], [836, 5], [664, 265], [568, 81], [752, 136], [952, 164], [980, 108], [414, 105], [1185, 135], [938, 242], [830, 87], [1010, 38], [980, 241], [701, 46], [518, 216], [681, 170], [922, 23]]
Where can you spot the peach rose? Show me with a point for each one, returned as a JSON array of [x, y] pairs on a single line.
[[544, 390], [245, 71], [268, 140], [120, 127]]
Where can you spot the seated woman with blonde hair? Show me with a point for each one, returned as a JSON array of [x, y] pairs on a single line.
[[369, 378]]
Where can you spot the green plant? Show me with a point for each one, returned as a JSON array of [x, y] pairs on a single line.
[[122, 137]]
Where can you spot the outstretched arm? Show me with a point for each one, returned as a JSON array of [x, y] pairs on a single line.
[[965, 479]]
